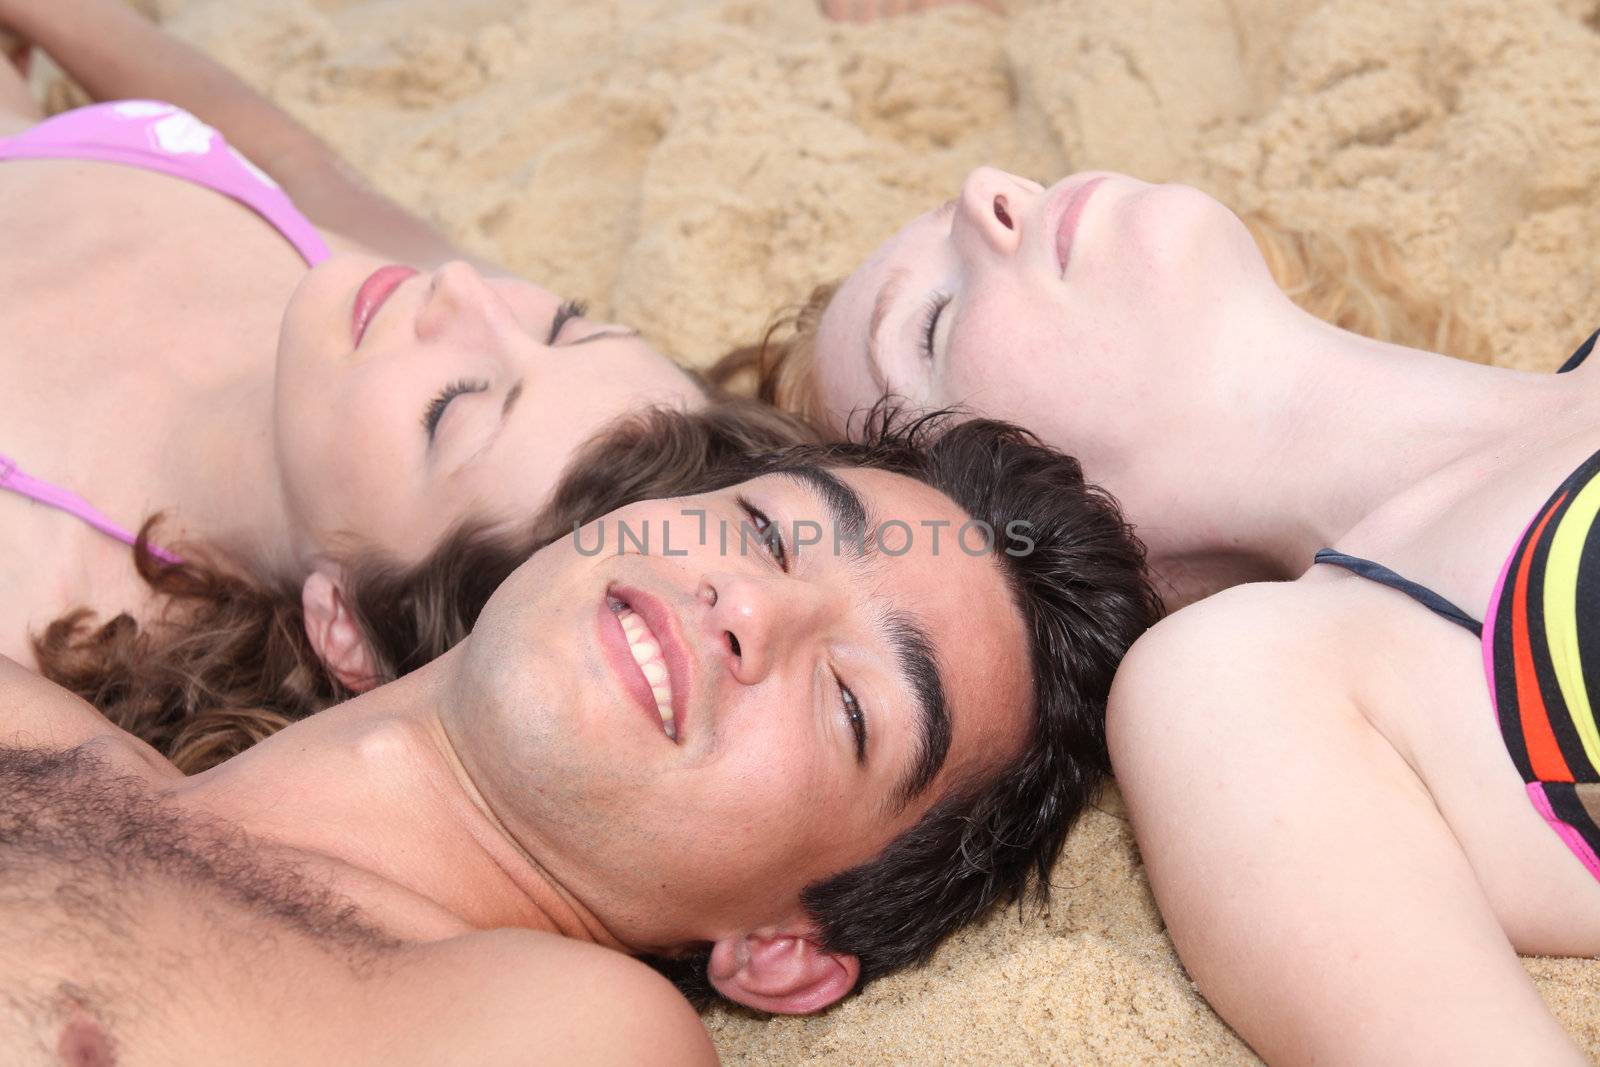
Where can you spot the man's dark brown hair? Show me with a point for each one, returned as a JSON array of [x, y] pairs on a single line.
[[1082, 590]]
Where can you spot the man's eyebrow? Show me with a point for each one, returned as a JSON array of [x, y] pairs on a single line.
[[888, 294], [846, 510], [908, 639], [919, 667]]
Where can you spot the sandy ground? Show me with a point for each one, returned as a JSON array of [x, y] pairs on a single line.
[[689, 165]]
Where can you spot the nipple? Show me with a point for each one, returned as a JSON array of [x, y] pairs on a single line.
[[84, 1041]]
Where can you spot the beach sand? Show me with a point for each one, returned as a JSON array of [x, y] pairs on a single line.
[[691, 165]]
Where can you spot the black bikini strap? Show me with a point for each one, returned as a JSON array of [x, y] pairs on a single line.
[[1580, 355], [1377, 572]]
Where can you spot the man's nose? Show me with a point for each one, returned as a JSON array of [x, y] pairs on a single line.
[[759, 621], [459, 304], [991, 207]]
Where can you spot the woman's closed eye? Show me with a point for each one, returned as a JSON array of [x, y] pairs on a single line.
[[569, 310], [439, 404], [932, 313]]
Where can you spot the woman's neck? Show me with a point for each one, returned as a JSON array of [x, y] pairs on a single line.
[[218, 481], [1297, 435]]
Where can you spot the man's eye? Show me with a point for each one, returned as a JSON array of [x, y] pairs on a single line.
[[767, 531], [856, 718]]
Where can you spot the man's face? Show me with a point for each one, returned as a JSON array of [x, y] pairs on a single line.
[[805, 687]]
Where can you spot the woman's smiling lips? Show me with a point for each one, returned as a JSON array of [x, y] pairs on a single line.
[[1071, 212], [378, 287]]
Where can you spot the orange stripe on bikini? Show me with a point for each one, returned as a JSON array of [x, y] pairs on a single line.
[[1544, 753]]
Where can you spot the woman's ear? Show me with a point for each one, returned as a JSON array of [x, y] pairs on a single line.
[[783, 972], [331, 627]]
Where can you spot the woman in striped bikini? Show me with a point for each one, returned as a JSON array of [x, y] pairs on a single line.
[[1364, 776]]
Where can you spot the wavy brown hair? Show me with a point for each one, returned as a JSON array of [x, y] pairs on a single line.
[[1354, 280], [227, 661]]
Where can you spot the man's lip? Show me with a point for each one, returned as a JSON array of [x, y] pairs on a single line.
[[663, 624], [378, 287], [1071, 211]]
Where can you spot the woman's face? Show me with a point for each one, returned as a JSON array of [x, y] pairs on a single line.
[[408, 402], [1063, 309]]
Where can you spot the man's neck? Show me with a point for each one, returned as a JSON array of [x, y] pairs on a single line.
[[371, 793]]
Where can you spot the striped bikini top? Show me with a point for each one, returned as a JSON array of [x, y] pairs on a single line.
[[1541, 649]]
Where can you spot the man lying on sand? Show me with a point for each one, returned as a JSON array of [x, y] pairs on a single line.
[[805, 757]]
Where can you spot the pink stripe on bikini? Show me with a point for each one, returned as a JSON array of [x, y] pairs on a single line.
[[1486, 639], [1565, 831], [54, 496]]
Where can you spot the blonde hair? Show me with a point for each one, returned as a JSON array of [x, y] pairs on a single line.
[[1355, 281]]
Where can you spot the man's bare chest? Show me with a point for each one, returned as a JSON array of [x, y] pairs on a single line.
[[130, 931]]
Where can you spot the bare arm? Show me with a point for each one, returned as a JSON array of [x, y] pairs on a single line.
[[18, 109], [114, 52], [35, 713], [1315, 893]]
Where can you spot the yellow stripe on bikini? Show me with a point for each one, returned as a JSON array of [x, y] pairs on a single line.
[[1561, 615]]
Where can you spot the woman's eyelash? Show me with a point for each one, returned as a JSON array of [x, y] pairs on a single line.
[[766, 531], [930, 320], [571, 309], [436, 406]]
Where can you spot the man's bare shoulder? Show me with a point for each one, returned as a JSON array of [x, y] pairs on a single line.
[[520, 996], [36, 713]]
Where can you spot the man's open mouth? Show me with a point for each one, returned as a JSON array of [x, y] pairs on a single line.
[[647, 654]]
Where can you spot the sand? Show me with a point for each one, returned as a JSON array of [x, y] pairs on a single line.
[[689, 165]]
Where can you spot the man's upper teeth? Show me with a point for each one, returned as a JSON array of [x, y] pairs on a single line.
[[647, 654]]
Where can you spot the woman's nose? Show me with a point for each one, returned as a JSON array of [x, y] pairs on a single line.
[[459, 301], [992, 206]]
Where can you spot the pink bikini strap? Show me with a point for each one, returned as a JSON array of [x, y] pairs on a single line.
[[14, 479]]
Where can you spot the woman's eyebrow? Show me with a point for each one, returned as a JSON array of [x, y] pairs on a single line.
[[887, 295], [602, 335], [512, 396]]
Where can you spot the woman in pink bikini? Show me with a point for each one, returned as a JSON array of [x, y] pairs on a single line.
[[309, 385]]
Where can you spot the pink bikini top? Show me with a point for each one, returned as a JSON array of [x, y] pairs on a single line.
[[161, 137]]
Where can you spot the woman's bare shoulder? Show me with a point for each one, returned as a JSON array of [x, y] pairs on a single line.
[[1247, 620], [1259, 639]]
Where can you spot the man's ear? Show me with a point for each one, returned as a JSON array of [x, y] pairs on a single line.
[[333, 631], [781, 971]]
